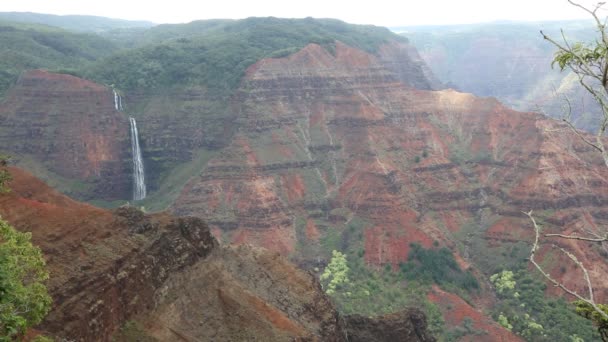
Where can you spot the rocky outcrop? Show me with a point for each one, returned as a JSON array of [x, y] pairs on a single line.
[[244, 293], [67, 130], [457, 313], [105, 267], [407, 325]]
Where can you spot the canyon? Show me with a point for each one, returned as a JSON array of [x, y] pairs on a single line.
[[512, 62], [328, 147]]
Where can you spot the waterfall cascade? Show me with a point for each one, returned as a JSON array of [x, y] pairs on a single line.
[[117, 101], [139, 183]]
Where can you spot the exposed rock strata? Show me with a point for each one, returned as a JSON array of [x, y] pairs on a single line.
[[407, 325], [333, 137], [64, 127]]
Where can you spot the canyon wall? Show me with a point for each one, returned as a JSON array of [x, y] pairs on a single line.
[[335, 151], [67, 131]]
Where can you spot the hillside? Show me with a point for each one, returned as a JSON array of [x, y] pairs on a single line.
[[32, 46], [307, 137], [215, 54], [509, 61]]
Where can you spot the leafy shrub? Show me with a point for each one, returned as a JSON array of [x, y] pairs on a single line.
[[24, 300], [437, 266]]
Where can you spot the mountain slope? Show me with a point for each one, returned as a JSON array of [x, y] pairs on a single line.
[[30, 46], [215, 54]]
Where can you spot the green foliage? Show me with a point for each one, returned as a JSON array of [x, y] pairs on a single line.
[[24, 300], [36, 46], [504, 322], [372, 292], [503, 281], [524, 309], [437, 266], [335, 275], [5, 176], [217, 56], [466, 329], [579, 54], [587, 311]]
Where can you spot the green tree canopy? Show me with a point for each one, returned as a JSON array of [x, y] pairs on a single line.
[[24, 300], [336, 273]]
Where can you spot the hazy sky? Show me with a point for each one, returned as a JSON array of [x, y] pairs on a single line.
[[377, 12]]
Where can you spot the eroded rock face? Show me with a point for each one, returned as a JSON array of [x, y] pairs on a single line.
[[241, 294], [409, 325], [66, 127], [331, 139], [456, 312], [165, 274]]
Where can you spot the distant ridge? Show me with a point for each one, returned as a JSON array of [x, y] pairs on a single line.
[[80, 23]]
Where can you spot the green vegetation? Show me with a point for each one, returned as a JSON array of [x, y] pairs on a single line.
[[371, 292], [437, 266], [364, 290], [587, 59], [217, 56], [465, 329], [29, 46], [335, 275], [503, 281], [5, 176], [525, 309], [587, 311], [171, 183], [69, 186], [24, 300]]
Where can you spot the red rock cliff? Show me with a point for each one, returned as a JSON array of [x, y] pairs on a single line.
[[66, 128], [331, 138]]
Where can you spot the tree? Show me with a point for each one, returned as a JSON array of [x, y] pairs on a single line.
[[336, 273], [589, 62], [589, 312], [5, 177], [24, 300]]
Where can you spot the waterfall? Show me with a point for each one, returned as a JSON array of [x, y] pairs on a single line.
[[139, 183], [117, 101]]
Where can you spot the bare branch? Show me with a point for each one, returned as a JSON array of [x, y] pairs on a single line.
[[581, 136], [535, 248], [593, 13], [576, 237]]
